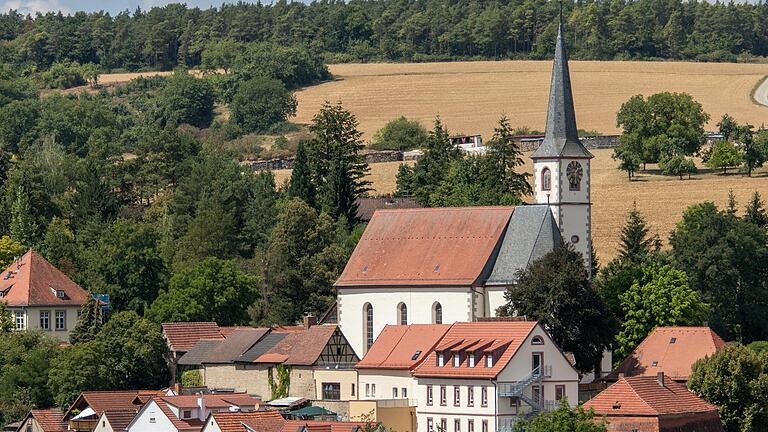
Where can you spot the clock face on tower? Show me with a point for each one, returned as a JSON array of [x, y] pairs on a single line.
[[574, 172]]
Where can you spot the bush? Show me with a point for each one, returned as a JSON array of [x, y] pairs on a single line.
[[261, 103], [191, 378], [63, 75], [400, 134], [677, 166], [724, 155], [186, 99]]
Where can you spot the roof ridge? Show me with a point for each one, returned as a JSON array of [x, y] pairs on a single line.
[[631, 387]]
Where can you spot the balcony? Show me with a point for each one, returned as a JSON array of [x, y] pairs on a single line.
[[395, 403]]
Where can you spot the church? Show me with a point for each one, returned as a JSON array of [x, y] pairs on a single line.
[[446, 265]]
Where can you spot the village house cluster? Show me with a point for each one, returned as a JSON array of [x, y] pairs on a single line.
[[412, 343]]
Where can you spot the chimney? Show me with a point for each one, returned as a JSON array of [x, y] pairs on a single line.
[[660, 378], [309, 321], [201, 414], [621, 375], [177, 388]]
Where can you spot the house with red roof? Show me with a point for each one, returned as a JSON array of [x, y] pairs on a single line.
[[86, 412], [187, 413], [115, 420], [653, 404], [49, 420], [271, 421], [671, 350], [485, 376], [40, 296]]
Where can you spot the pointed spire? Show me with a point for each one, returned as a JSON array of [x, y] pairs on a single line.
[[561, 136]]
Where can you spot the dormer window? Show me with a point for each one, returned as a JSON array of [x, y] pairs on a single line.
[[60, 294], [440, 359], [489, 360], [471, 360], [456, 359]]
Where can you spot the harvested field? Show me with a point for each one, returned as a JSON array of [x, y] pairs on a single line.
[[660, 198], [470, 96]]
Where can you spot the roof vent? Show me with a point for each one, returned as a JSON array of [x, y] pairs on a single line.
[[8, 275], [616, 405], [416, 355], [437, 268], [655, 363], [673, 340]]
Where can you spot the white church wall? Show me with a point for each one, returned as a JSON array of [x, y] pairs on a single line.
[[495, 299], [456, 303], [540, 194]]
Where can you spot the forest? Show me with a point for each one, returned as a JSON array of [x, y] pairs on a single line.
[[390, 30]]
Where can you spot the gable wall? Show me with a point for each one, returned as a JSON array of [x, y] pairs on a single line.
[[142, 424]]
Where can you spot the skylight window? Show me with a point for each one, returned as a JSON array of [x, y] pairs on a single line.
[[673, 340], [416, 355], [654, 364]]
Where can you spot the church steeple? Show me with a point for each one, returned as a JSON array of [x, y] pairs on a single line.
[[561, 137]]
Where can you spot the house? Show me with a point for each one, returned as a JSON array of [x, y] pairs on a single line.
[[317, 360], [261, 421], [49, 420], [387, 386], [671, 350], [86, 411], [654, 404], [446, 265], [367, 206], [485, 376], [181, 337], [322, 426], [115, 420], [40, 296], [187, 413]]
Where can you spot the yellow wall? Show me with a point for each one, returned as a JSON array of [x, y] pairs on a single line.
[[397, 419], [347, 378]]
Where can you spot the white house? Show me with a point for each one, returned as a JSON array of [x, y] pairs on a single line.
[[187, 413], [485, 376], [446, 265], [115, 420]]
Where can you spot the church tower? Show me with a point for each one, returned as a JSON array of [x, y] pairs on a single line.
[[561, 163]]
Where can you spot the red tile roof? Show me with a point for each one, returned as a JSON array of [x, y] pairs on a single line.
[[503, 336], [301, 347], [322, 426], [33, 281], [426, 247], [673, 358], [181, 425], [397, 345], [119, 419], [101, 401], [646, 396], [49, 420], [260, 421], [218, 400], [183, 336]]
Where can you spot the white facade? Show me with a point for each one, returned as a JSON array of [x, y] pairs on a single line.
[[379, 384], [487, 409], [571, 206], [57, 321], [151, 419], [421, 304]]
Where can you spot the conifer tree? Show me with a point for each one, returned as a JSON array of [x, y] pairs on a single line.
[[301, 179], [433, 167], [732, 204], [339, 199], [89, 323], [635, 244], [755, 211], [23, 226], [506, 157]]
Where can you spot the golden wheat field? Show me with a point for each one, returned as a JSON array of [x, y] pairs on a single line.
[[660, 198], [470, 96]]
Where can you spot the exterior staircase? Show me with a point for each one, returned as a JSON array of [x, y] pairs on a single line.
[[517, 389]]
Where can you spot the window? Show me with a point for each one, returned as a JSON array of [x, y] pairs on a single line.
[[485, 426], [442, 395], [353, 389], [331, 391], [559, 392], [429, 395], [470, 425], [489, 360], [152, 417], [536, 394], [367, 390], [394, 392], [430, 424], [655, 363], [368, 325], [45, 320], [471, 357], [373, 390], [537, 340], [60, 294], [471, 396], [456, 359], [20, 323], [187, 414], [673, 340], [456, 395], [546, 179], [443, 425], [402, 314], [440, 359], [457, 425], [437, 313], [29, 428], [404, 392], [536, 361], [484, 396], [61, 320]]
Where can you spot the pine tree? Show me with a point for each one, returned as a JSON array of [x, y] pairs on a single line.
[[732, 204], [506, 157], [89, 323], [23, 226], [339, 197], [433, 167], [755, 211], [635, 244], [301, 179]]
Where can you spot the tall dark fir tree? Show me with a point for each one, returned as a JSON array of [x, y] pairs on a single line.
[[635, 244], [301, 178]]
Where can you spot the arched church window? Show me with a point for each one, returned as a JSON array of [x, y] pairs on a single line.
[[402, 314], [437, 313], [546, 179], [368, 315]]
